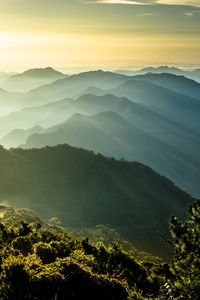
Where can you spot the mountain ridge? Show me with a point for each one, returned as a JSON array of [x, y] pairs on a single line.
[[82, 188], [32, 78]]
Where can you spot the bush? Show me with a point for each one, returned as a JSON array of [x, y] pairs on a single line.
[[45, 252], [23, 244], [15, 278]]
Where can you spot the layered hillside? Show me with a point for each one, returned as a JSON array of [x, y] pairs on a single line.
[[156, 119], [31, 79], [84, 189]]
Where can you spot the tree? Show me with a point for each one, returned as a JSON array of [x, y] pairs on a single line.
[[185, 266]]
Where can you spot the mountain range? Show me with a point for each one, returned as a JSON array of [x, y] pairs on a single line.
[[84, 189], [30, 79], [125, 126], [151, 118], [192, 74]]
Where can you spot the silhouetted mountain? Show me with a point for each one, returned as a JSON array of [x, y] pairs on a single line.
[[69, 87], [19, 136], [162, 69], [8, 101], [194, 74], [75, 85], [93, 90], [157, 107], [111, 135], [176, 106], [29, 117], [54, 113], [84, 189], [79, 82], [41, 73], [156, 70], [5, 75], [179, 84], [85, 132], [149, 137], [31, 79]]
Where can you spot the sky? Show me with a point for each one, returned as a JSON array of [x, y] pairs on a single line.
[[67, 34]]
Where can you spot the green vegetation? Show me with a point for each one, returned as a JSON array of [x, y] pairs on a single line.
[[85, 190], [38, 261], [185, 265]]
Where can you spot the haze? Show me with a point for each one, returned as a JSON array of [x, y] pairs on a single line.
[[66, 34]]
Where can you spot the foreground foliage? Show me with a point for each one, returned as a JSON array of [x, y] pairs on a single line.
[[45, 262], [84, 189]]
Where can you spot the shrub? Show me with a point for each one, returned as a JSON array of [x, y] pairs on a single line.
[[15, 278], [23, 244]]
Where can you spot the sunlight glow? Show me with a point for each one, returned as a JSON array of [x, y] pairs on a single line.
[[146, 2]]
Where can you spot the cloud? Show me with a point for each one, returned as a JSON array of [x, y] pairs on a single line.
[[130, 2], [180, 2], [188, 14], [146, 15], [195, 3]]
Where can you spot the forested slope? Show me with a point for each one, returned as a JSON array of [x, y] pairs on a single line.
[[84, 189]]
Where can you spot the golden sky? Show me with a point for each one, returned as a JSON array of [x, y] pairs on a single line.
[[73, 33]]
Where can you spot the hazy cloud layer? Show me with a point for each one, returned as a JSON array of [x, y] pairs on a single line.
[[180, 2], [76, 33], [151, 2]]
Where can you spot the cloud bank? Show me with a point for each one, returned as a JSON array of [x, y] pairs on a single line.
[[195, 3]]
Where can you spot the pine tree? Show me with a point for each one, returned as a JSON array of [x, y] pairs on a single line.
[[185, 265]]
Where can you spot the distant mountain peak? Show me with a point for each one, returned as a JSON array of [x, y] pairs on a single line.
[[160, 75], [42, 71], [161, 68], [96, 72], [32, 78]]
